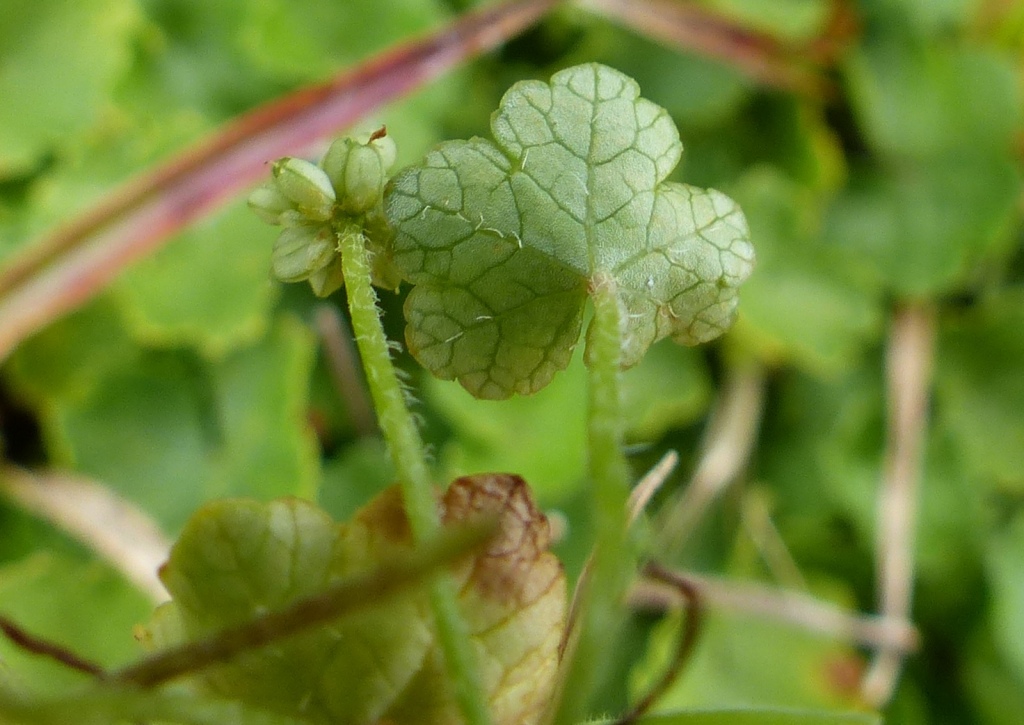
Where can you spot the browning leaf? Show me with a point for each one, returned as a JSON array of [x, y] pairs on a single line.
[[236, 559]]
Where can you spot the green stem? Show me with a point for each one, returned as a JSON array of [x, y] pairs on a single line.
[[599, 620], [392, 577], [406, 450]]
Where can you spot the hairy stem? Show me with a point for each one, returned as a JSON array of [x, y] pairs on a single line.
[[406, 450], [612, 560]]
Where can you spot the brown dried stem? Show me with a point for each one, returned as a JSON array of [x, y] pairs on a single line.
[[393, 577], [782, 605], [908, 366], [114, 528], [697, 29], [727, 446]]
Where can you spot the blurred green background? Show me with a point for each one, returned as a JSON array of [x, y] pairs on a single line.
[[897, 188]]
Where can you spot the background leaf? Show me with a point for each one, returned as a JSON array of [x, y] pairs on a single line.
[[925, 228], [806, 302], [980, 388], [82, 605], [230, 308], [56, 78], [761, 717], [1003, 557], [900, 86], [238, 559], [167, 429]]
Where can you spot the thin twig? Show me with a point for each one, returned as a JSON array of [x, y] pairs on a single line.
[[344, 368], [44, 648], [390, 578], [638, 498], [688, 637], [700, 30], [781, 605], [92, 513], [726, 450], [757, 522], [908, 365], [649, 485]]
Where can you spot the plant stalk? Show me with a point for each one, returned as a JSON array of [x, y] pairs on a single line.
[[613, 560], [910, 357], [406, 449], [339, 599]]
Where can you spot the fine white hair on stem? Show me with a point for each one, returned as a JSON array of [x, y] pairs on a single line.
[[412, 402], [403, 375]]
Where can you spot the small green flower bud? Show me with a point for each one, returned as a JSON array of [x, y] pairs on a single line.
[[385, 146], [293, 218], [335, 161], [302, 251], [327, 280], [364, 179], [268, 203], [359, 171], [307, 186]]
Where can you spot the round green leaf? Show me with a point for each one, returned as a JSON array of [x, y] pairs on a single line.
[[503, 240]]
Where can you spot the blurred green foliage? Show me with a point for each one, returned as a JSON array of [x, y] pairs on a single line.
[[194, 376]]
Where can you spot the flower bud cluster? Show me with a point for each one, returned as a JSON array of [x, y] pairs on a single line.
[[312, 202]]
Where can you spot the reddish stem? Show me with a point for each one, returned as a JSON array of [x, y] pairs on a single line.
[[687, 639], [66, 268], [700, 30], [39, 646]]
